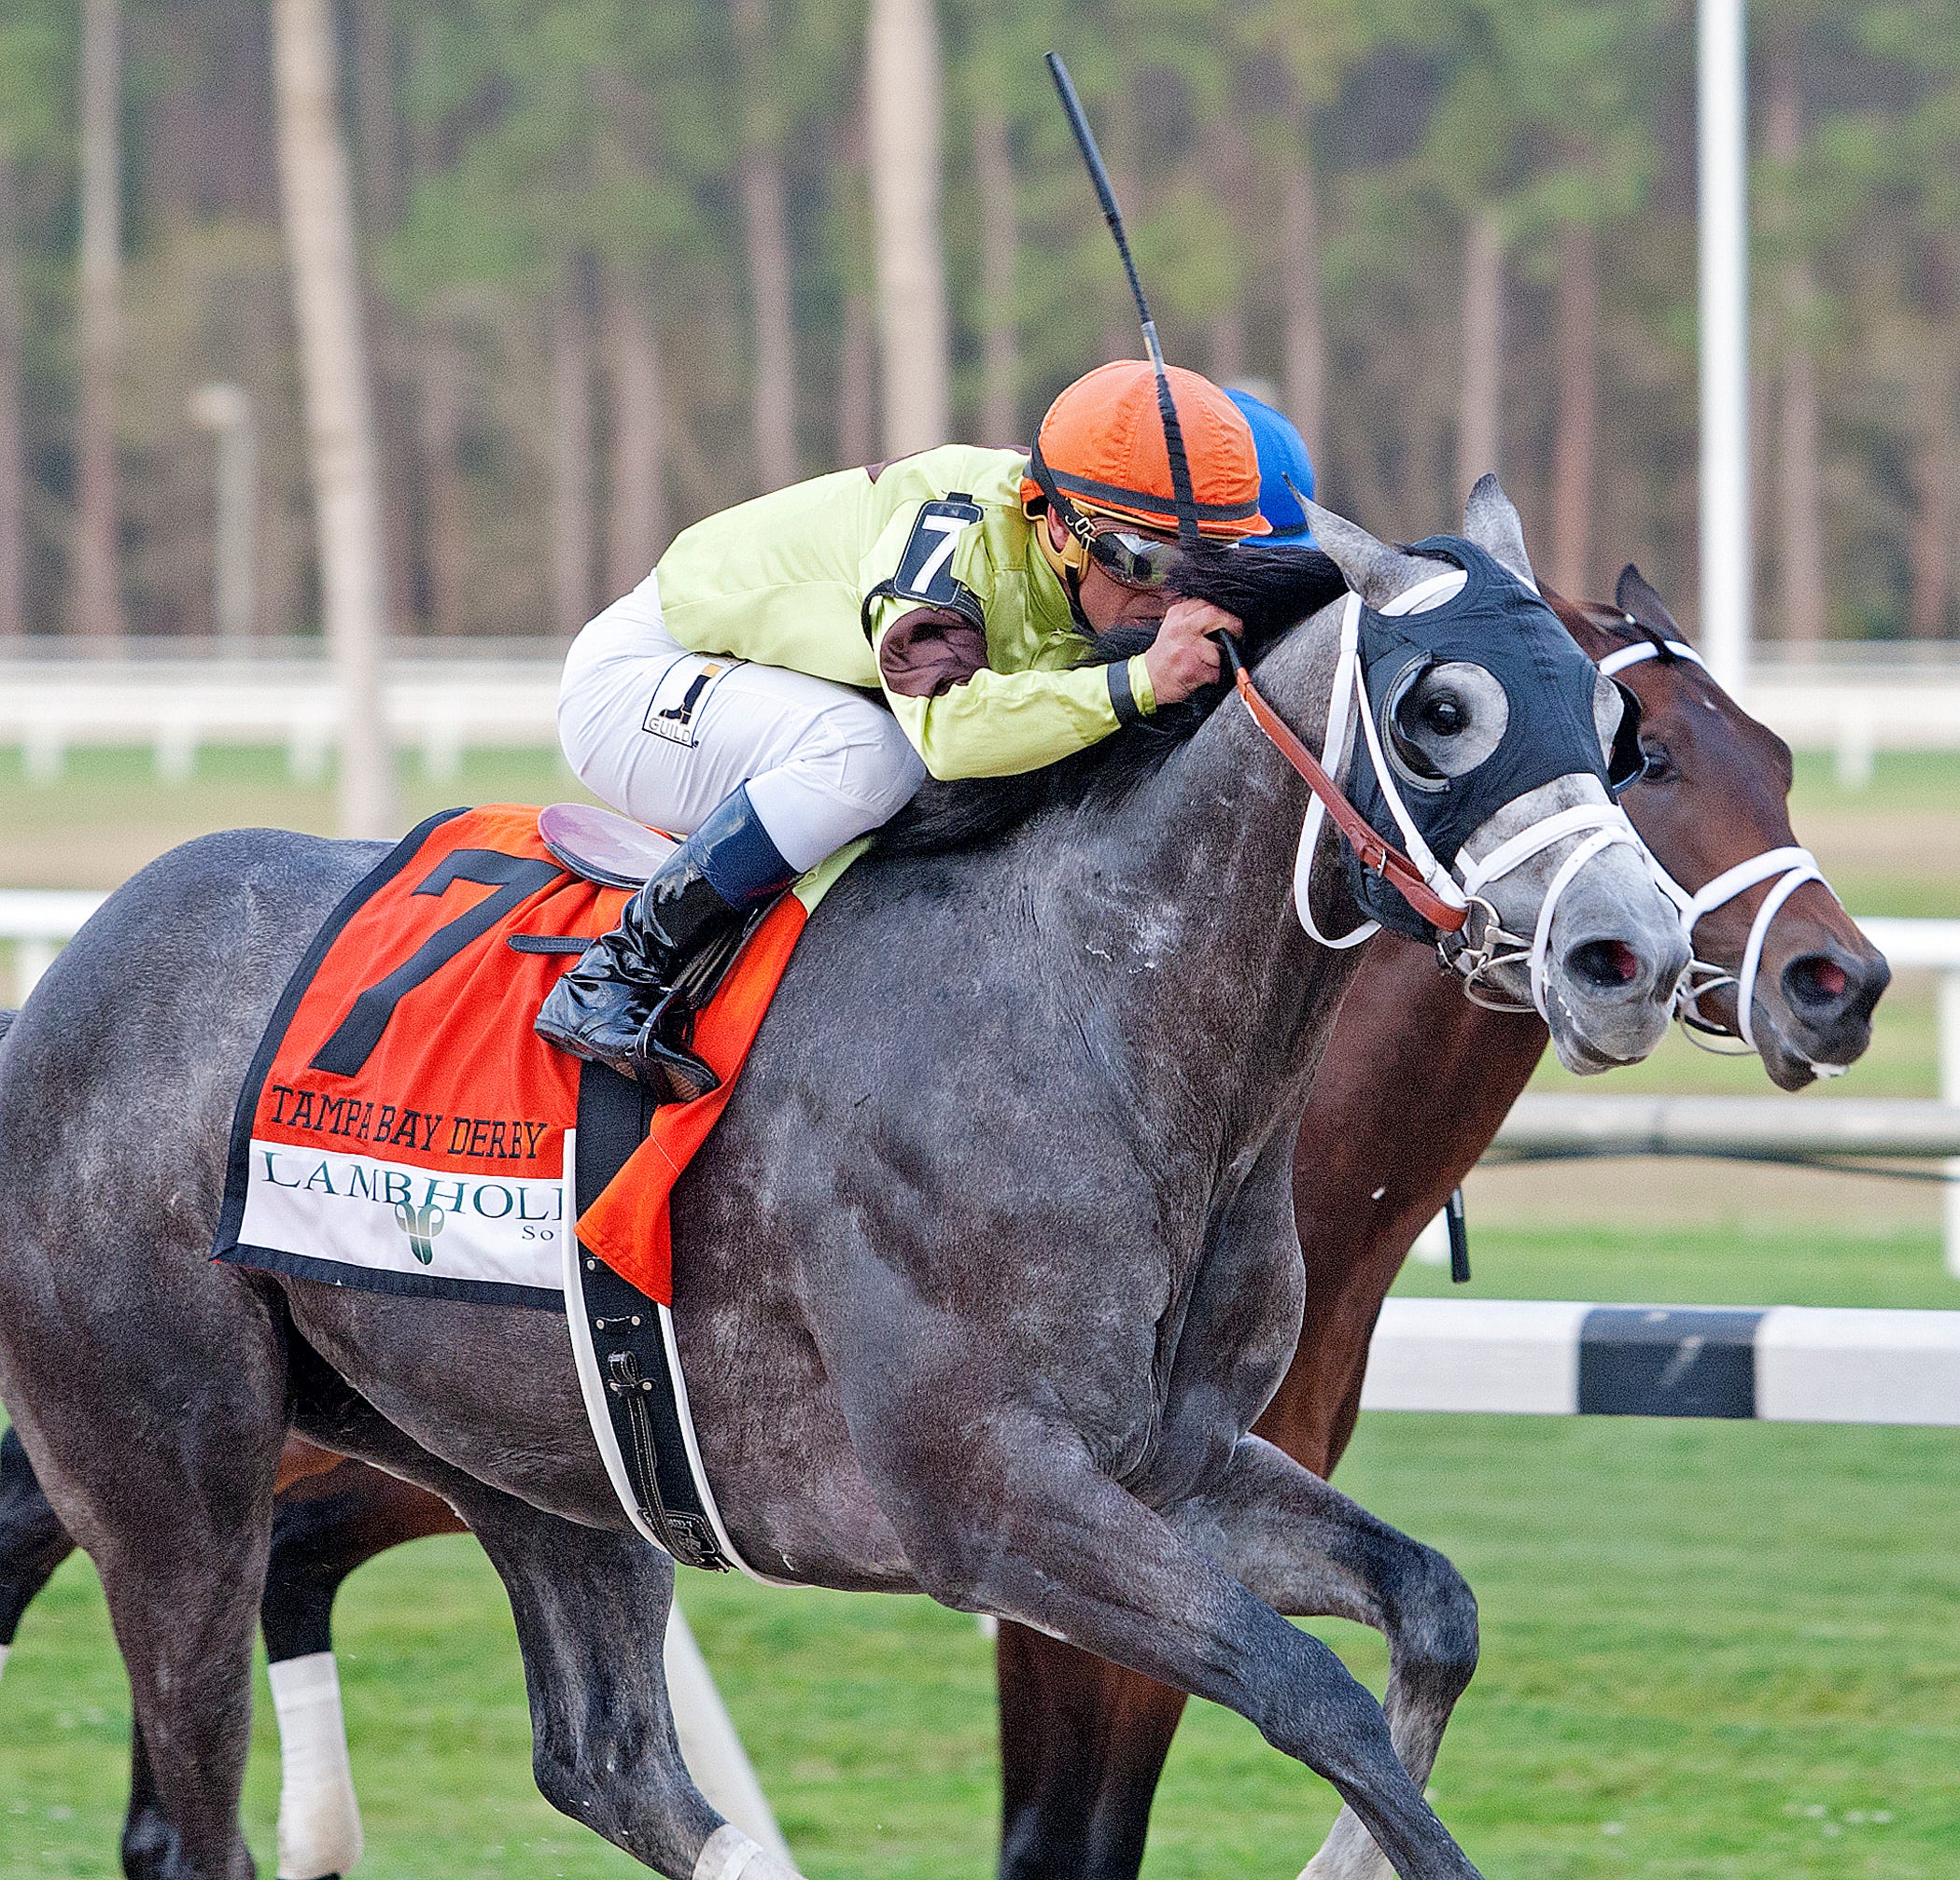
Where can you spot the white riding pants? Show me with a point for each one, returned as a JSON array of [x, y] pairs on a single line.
[[665, 734]]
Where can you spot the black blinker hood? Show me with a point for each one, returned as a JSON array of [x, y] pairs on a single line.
[[1497, 622]]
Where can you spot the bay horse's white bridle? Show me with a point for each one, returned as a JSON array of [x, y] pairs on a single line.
[[1790, 865]]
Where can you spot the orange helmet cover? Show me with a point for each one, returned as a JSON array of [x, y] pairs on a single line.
[[1103, 444]]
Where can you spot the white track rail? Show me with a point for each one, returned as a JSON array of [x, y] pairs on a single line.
[[440, 708], [176, 700], [37, 922]]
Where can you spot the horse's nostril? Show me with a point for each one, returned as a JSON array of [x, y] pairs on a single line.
[[1816, 979], [1817, 985], [1604, 962]]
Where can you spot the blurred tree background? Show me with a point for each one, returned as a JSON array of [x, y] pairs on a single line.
[[627, 264]]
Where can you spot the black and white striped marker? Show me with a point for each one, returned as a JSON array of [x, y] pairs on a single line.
[[1781, 1364]]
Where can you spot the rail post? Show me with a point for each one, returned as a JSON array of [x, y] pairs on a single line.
[[1722, 315], [1948, 1019]]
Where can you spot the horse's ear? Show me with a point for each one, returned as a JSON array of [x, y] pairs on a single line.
[[1491, 521], [1377, 572], [1635, 597]]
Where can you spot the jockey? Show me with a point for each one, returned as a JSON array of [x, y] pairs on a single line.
[[794, 667], [1286, 470]]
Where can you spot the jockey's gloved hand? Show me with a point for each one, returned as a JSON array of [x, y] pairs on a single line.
[[1182, 657]]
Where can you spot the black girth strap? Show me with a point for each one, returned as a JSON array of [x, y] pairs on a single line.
[[629, 1339]]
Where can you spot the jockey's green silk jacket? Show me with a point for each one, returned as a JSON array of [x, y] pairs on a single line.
[[794, 577]]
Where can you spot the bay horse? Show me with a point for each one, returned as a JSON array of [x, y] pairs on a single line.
[[980, 1290]]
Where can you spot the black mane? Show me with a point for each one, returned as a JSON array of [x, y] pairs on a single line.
[[1269, 589]]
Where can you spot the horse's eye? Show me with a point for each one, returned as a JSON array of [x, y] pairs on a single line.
[[1660, 763], [1443, 721], [1445, 715]]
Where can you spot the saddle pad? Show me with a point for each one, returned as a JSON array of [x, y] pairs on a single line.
[[402, 1128]]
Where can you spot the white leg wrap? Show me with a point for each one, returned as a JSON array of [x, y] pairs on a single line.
[[320, 1819], [730, 1855], [4, 1650], [710, 1748]]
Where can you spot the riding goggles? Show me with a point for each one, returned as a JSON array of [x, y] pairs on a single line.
[[1133, 559]]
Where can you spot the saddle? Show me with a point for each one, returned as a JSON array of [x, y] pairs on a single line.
[[611, 850], [602, 845]]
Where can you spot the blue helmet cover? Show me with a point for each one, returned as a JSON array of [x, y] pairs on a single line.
[[1283, 454], [1499, 623]]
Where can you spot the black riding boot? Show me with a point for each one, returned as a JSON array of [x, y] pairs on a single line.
[[620, 1006]]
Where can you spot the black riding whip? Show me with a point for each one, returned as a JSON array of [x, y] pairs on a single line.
[[1459, 1238], [1166, 406], [1374, 851]]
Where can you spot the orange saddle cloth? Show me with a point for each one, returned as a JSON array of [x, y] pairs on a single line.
[[402, 1128]]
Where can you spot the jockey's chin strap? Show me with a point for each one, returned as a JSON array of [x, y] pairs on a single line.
[[1790, 866], [1430, 888]]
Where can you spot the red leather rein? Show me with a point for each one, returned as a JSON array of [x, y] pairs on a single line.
[[1377, 855]]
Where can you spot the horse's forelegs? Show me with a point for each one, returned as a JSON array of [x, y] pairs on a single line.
[[33, 1541], [1308, 1550], [591, 1610], [1006, 1518], [1083, 1743], [328, 1524]]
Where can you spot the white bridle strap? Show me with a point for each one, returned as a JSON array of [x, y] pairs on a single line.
[[1601, 824], [1793, 867], [1433, 591], [1745, 874], [1348, 684], [1515, 851], [1646, 649], [1759, 933]]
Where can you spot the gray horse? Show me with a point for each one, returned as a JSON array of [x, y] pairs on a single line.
[[982, 1278]]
